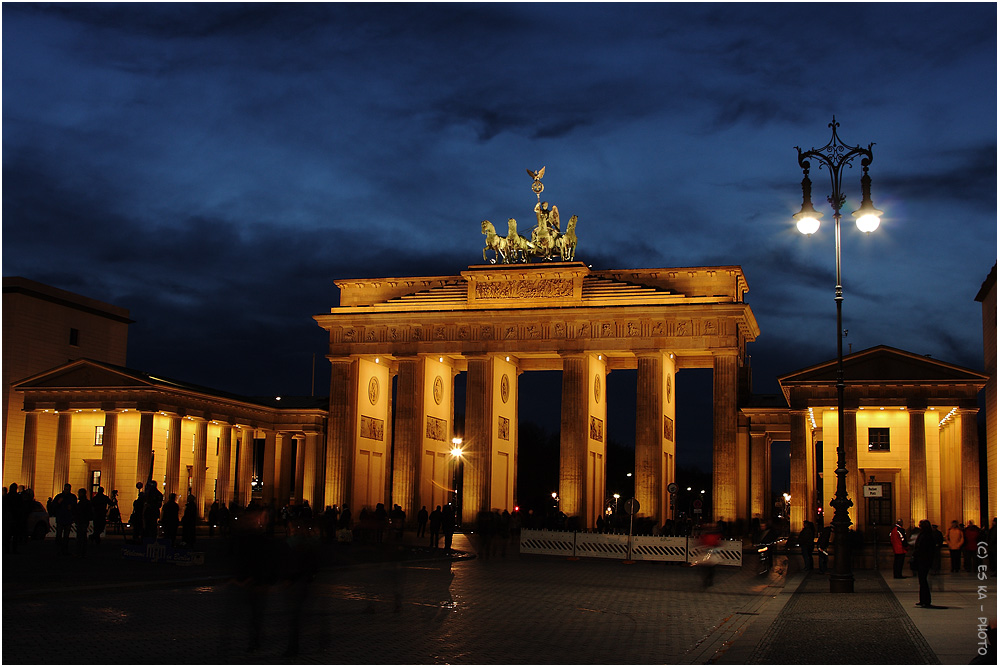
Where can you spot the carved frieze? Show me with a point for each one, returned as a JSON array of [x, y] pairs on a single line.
[[437, 429], [596, 429], [545, 288], [372, 428], [503, 428], [668, 428]]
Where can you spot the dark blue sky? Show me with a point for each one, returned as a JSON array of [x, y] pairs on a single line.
[[214, 168]]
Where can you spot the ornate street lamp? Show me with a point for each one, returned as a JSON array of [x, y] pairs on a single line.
[[835, 156]]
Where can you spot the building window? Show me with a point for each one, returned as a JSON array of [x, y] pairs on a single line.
[[74, 336], [99, 435], [95, 482], [878, 439]]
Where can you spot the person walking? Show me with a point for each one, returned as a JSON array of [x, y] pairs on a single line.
[[82, 514], [448, 525], [171, 519], [806, 539], [923, 559], [12, 503], [938, 543], [823, 547], [99, 505], [151, 511], [422, 516], [897, 537], [189, 522], [956, 538], [65, 505], [435, 520], [969, 547]]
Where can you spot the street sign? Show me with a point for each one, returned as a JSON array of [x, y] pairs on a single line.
[[696, 504], [632, 506], [672, 488], [873, 491]]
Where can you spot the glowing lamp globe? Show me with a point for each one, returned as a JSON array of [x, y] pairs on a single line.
[[807, 224]]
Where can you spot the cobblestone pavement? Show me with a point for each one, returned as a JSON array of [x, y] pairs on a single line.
[[518, 610]]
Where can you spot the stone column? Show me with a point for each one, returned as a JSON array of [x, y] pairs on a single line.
[[200, 464], [798, 488], [476, 453], [144, 451], [853, 478], [573, 436], [340, 434], [244, 472], [224, 463], [269, 481], [918, 466], [109, 453], [312, 479], [409, 420], [283, 464], [30, 452], [970, 467], [724, 390], [299, 444], [60, 468], [760, 501], [648, 430], [173, 485]]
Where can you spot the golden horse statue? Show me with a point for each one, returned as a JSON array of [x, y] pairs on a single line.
[[566, 243], [518, 247], [494, 242]]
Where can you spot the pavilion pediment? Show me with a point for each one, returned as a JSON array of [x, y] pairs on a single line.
[[882, 365], [82, 374]]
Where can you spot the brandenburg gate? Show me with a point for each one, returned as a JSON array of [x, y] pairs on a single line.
[[496, 321]]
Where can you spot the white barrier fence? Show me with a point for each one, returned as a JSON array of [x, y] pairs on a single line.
[[616, 546]]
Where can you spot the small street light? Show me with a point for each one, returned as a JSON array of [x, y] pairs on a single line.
[[835, 156]]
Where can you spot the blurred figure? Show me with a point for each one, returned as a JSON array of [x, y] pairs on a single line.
[[151, 510], [823, 547], [301, 562], [189, 522], [956, 537], [969, 547], [65, 507], [82, 514], [171, 519], [448, 525], [806, 539], [923, 559], [99, 504], [435, 520], [710, 540], [422, 517], [897, 537]]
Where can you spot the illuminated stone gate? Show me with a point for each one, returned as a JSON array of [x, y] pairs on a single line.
[[496, 321]]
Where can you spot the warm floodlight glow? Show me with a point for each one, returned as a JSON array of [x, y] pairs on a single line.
[[456, 452]]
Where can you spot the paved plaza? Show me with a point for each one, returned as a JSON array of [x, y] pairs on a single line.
[[515, 610]]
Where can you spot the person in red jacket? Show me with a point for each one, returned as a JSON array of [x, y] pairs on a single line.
[[897, 537], [969, 548]]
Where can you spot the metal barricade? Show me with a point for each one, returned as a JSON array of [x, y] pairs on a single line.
[[539, 541], [728, 552], [659, 548], [606, 545]]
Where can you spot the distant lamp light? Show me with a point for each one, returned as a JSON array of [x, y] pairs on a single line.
[[807, 219]]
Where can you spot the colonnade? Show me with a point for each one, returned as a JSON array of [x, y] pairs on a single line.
[[136, 445]]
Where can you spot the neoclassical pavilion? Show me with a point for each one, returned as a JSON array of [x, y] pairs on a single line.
[[910, 437], [495, 322], [93, 423]]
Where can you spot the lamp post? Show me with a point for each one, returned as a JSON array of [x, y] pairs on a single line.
[[835, 156], [456, 453]]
